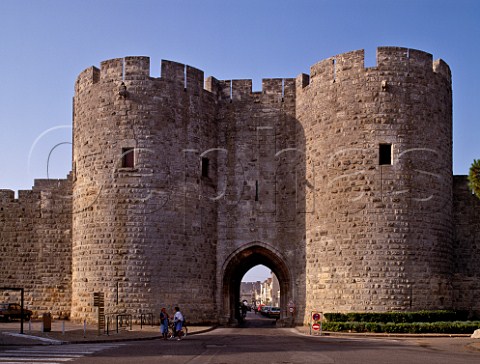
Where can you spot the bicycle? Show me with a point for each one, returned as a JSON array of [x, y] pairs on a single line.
[[173, 334]]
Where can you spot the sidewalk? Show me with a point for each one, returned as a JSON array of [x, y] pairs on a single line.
[[66, 332], [474, 344]]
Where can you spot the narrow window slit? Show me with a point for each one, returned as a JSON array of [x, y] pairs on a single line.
[[385, 154], [205, 165], [128, 157], [334, 70], [185, 77]]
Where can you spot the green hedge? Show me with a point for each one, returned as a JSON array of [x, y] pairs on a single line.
[[397, 317], [452, 327]]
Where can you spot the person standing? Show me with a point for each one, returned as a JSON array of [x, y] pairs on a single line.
[[178, 321], [164, 323]]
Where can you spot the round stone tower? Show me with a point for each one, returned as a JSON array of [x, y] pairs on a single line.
[[140, 230], [378, 146]]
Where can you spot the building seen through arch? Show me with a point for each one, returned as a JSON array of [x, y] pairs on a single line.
[[262, 292]]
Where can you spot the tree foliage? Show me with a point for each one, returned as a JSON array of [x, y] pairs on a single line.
[[474, 177]]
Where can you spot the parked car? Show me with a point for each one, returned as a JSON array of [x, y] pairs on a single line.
[[10, 311], [265, 310], [274, 312]]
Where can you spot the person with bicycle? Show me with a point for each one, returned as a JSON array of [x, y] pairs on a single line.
[[178, 322], [164, 323]]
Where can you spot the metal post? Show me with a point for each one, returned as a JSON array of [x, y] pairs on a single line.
[[21, 311]]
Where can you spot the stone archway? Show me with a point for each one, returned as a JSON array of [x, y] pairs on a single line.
[[239, 263]]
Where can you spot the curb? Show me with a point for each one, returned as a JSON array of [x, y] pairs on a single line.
[[145, 338], [33, 337], [379, 334], [49, 341]]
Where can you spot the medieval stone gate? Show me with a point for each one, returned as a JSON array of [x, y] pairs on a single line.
[[339, 181]]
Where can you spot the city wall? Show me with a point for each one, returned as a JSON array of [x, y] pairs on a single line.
[[224, 178], [36, 246], [466, 250]]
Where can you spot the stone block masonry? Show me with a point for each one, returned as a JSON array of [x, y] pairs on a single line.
[[339, 180], [36, 246]]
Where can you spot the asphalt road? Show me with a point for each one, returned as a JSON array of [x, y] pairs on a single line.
[[279, 346], [260, 342]]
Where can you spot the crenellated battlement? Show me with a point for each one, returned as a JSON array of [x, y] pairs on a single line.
[[351, 64], [25, 197], [239, 89], [6, 196], [138, 68], [40, 185], [338, 68]]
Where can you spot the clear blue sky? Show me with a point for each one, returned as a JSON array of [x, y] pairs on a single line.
[[45, 44]]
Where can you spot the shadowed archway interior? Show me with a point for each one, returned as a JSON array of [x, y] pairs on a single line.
[[240, 263]]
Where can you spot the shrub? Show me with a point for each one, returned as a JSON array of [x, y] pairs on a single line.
[[452, 327], [397, 317], [474, 177]]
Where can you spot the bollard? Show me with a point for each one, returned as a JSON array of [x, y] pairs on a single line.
[[63, 327], [85, 328], [47, 322]]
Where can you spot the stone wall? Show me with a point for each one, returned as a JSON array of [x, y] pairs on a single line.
[[35, 246], [466, 251]]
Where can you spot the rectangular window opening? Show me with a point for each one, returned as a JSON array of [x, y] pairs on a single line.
[[205, 165], [128, 157], [74, 171], [334, 62], [256, 190], [385, 154], [185, 77], [123, 69]]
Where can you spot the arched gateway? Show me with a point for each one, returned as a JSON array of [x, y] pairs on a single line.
[[240, 262]]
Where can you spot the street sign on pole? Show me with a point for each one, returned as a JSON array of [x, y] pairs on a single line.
[[316, 324]]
